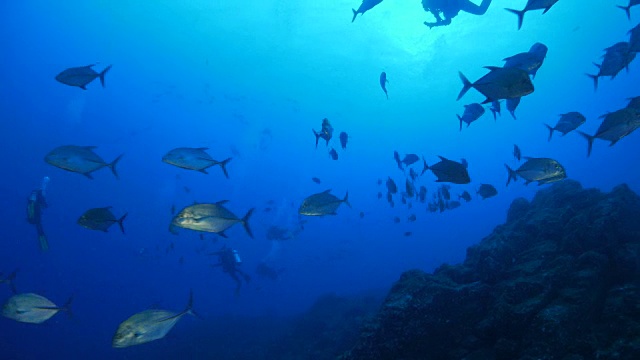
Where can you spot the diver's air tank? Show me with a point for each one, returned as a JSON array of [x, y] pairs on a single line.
[[237, 256]]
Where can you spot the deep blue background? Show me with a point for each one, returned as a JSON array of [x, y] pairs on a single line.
[[250, 80]]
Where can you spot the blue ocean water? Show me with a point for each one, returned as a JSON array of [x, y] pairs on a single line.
[[250, 80]]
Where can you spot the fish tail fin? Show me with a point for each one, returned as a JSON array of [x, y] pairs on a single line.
[[346, 199], [245, 222], [223, 166], [589, 141], [189, 308], [355, 13], [317, 137], [121, 220], [67, 306], [44, 243], [520, 14], [494, 115], [425, 167], [627, 9], [466, 85], [595, 81], [512, 175], [460, 118], [113, 164], [103, 73], [550, 131]]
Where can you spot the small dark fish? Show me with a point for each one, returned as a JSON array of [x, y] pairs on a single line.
[[100, 219], [344, 137], [404, 200], [396, 157], [81, 76], [512, 104], [315, 180], [614, 127], [333, 153], [379, 195], [407, 233], [383, 83], [409, 188], [361, 214], [627, 9], [410, 159], [567, 123], [412, 218], [486, 191], [379, 182], [444, 190], [472, 112], [449, 171], [422, 194], [432, 207], [364, 7], [413, 174], [9, 280], [499, 83], [495, 108], [389, 198], [516, 152], [465, 196], [533, 5], [391, 186], [396, 219], [542, 170]]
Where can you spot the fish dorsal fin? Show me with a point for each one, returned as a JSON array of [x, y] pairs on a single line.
[[443, 158], [527, 157], [222, 202], [326, 191], [492, 68], [106, 207], [90, 147], [90, 66], [202, 148]]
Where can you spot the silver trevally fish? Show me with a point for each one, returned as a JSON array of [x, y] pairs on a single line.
[[147, 326], [542, 170], [213, 218], [615, 126], [81, 76], [449, 171], [32, 308], [499, 83], [616, 58], [194, 159], [100, 219], [530, 61], [321, 204], [567, 123], [79, 159]]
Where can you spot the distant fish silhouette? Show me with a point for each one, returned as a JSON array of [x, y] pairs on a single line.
[[383, 83], [533, 5], [364, 7]]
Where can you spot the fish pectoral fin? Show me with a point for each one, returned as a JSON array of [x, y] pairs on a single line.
[[88, 175], [204, 171]]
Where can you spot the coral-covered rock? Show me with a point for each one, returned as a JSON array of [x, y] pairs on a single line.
[[559, 280]]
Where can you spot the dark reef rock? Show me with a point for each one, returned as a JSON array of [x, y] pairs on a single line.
[[559, 280]]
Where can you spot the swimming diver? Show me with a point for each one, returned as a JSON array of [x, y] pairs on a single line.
[[451, 8], [35, 204], [229, 259]]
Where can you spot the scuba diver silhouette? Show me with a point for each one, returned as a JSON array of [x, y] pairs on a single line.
[[229, 259], [451, 8], [35, 204]]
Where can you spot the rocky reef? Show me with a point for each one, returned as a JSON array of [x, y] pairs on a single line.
[[559, 280]]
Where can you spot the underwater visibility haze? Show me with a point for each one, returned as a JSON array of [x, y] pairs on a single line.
[[189, 177]]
